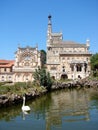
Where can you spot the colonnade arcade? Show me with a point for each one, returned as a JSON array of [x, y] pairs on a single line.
[[24, 77], [77, 70], [78, 67]]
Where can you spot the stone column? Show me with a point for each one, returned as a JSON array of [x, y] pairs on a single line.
[[74, 67], [74, 75], [87, 70], [83, 68]]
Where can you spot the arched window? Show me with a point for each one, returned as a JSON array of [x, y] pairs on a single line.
[[72, 67], [2, 76], [63, 68], [85, 67], [79, 67], [64, 76], [5, 69]]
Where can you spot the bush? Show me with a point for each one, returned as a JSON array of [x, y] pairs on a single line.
[[42, 77]]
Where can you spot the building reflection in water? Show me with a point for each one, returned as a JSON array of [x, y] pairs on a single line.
[[57, 108], [68, 106]]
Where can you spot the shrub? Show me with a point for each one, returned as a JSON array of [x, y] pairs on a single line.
[[42, 77]]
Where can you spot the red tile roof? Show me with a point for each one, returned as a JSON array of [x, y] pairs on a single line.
[[6, 63]]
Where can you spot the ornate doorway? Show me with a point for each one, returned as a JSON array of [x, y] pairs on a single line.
[[64, 76]]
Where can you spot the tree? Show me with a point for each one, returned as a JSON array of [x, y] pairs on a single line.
[[94, 64], [42, 77], [43, 57]]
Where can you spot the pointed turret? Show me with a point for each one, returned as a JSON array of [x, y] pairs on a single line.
[[88, 43], [49, 24], [49, 31]]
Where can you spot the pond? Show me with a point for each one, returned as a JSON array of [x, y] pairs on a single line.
[[58, 110]]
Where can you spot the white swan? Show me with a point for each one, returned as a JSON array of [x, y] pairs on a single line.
[[25, 108]]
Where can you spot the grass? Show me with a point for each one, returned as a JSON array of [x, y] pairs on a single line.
[[22, 87], [19, 88], [93, 78]]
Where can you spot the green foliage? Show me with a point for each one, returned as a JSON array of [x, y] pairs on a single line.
[[94, 64], [20, 88], [42, 78], [92, 77], [43, 57], [37, 76], [65, 80]]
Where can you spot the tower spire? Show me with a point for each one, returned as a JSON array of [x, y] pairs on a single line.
[[88, 43], [49, 30], [49, 24]]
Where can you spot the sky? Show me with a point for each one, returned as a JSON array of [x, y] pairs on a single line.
[[24, 23]]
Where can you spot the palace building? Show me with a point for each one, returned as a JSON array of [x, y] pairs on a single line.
[[6, 70], [66, 59], [27, 59]]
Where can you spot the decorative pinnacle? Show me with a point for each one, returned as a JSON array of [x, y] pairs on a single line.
[[49, 16], [49, 20]]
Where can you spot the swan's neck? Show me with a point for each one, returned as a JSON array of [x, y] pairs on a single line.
[[23, 101]]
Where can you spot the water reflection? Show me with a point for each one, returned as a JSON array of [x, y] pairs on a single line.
[[9, 113], [68, 106], [57, 108], [24, 114]]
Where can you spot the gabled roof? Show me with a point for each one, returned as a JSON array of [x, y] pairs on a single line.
[[67, 44], [6, 63], [26, 48], [56, 34]]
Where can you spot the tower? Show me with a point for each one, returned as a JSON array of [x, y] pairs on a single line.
[[49, 31], [88, 43], [66, 59]]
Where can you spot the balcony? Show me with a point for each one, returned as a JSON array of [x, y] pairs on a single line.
[[24, 69], [81, 53]]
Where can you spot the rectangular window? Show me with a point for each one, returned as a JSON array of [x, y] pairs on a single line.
[[5, 69], [10, 69], [53, 68]]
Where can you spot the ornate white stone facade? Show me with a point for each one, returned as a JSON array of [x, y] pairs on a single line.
[[21, 70], [26, 61], [66, 59]]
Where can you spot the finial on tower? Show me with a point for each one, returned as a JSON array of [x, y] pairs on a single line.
[[49, 19], [88, 43], [49, 16]]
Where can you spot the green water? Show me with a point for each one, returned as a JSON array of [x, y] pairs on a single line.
[[59, 110]]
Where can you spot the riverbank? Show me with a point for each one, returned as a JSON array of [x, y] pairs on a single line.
[[84, 83], [11, 94], [34, 92], [8, 100]]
